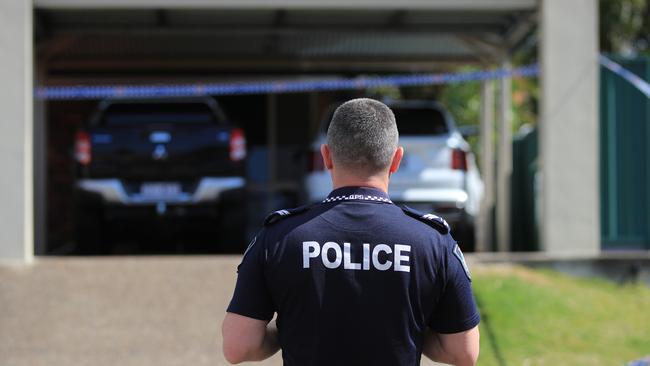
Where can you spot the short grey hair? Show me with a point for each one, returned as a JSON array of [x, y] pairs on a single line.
[[363, 135]]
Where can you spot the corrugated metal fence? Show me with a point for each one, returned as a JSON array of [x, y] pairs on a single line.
[[525, 187], [625, 158]]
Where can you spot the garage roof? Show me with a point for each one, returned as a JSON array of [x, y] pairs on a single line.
[[293, 36], [507, 5]]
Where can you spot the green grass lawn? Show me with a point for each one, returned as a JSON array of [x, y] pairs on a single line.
[[541, 317]]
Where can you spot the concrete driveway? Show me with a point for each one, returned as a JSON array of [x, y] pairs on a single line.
[[116, 311]]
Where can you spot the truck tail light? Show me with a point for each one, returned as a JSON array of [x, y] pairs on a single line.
[[82, 148], [316, 162], [458, 159], [237, 145]]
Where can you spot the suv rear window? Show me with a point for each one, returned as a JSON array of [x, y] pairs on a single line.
[[420, 121], [145, 113]]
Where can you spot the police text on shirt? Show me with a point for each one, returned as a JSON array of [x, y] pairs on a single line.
[[371, 258]]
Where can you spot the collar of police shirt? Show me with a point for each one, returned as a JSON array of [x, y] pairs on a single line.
[[375, 195], [358, 194]]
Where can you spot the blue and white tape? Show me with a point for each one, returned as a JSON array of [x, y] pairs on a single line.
[[632, 78], [291, 86], [297, 86]]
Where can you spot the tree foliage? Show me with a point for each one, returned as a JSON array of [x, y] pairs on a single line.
[[625, 27]]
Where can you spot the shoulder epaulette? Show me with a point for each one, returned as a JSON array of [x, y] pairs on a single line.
[[278, 215], [432, 220]]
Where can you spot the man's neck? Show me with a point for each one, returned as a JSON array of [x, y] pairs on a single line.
[[340, 179]]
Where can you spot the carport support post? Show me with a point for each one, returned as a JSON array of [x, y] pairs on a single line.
[[16, 139], [569, 129], [272, 145], [485, 220], [40, 167], [505, 161]]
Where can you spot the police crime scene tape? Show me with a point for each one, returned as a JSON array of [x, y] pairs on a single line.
[[94, 92], [272, 87]]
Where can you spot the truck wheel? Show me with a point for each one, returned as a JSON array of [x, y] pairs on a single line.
[[91, 232], [466, 238], [232, 228]]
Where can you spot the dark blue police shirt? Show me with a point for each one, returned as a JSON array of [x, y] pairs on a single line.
[[355, 280]]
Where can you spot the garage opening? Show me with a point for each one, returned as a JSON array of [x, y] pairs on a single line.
[[92, 47]]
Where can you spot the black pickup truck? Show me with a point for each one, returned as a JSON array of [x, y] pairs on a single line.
[[159, 159]]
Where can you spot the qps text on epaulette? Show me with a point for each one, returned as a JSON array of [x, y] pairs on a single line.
[[432, 220], [278, 215]]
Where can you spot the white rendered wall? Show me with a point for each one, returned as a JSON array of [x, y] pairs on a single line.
[[16, 140], [569, 129]]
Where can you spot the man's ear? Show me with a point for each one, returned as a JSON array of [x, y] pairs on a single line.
[[397, 159], [327, 156]]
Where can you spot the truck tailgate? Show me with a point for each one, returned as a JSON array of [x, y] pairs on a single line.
[[173, 152]]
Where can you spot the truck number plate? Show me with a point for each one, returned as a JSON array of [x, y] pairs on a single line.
[[160, 189]]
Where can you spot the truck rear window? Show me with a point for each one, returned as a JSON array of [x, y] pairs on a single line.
[[411, 121], [148, 113], [420, 121]]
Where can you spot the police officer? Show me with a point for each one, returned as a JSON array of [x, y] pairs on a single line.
[[355, 279]]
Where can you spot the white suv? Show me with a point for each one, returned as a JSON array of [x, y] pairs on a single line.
[[438, 173]]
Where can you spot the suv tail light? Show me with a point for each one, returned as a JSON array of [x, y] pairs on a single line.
[[82, 148], [458, 159], [316, 162], [237, 145]]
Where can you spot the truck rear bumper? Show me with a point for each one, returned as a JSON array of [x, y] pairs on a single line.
[[450, 204], [454, 196], [112, 191]]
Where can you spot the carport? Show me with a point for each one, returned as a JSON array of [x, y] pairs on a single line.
[[159, 41]]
